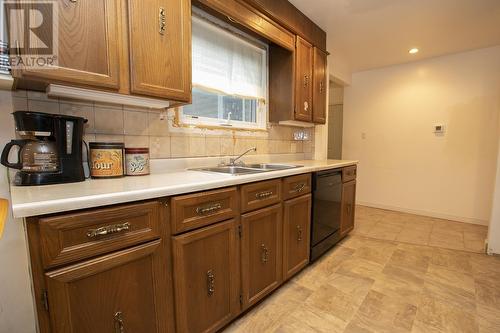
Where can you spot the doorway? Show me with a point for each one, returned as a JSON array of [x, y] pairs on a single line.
[[335, 123]]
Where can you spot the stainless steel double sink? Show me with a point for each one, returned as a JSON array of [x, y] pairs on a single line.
[[246, 169]]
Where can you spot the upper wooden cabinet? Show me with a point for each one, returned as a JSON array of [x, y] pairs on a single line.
[[120, 292], [88, 45], [160, 48], [303, 80], [140, 47], [320, 80]]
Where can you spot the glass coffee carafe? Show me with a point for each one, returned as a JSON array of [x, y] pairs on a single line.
[[35, 155]]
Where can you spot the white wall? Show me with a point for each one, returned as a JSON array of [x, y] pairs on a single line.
[[16, 302], [494, 230], [403, 164]]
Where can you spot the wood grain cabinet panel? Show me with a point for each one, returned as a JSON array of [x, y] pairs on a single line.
[[207, 279], [349, 173], [196, 210], [295, 186], [320, 81], [303, 81], [261, 253], [88, 45], [348, 207], [249, 17], [124, 290], [296, 234], [75, 236], [160, 48], [261, 194]]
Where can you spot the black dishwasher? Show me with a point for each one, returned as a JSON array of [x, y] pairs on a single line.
[[326, 212]]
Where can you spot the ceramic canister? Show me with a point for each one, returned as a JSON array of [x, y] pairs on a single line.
[[137, 161], [106, 160]]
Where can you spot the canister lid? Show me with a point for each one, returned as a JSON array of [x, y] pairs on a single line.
[[106, 145], [136, 150]]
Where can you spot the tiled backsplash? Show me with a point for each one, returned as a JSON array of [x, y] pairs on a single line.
[[143, 128]]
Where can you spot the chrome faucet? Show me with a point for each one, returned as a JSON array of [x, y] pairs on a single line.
[[232, 161]]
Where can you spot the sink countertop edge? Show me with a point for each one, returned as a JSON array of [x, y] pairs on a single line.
[[94, 193]]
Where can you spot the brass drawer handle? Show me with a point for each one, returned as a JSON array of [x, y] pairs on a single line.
[[210, 283], [209, 209], [119, 325], [265, 254], [263, 195], [321, 87], [299, 187], [162, 21], [109, 229], [299, 233], [306, 80]]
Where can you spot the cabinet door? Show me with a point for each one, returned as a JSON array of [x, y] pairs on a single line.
[[160, 48], [320, 79], [348, 207], [261, 253], [88, 45], [123, 291], [303, 80], [206, 277], [296, 235]]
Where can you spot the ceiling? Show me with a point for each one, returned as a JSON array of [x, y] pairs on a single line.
[[375, 33]]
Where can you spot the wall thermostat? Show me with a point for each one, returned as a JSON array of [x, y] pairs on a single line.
[[439, 128]]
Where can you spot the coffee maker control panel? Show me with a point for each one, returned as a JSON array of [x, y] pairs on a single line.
[[69, 137]]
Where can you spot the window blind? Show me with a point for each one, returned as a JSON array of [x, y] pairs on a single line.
[[226, 63]]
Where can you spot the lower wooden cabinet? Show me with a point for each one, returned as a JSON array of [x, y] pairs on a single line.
[[120, 292], [207, 278], [296, 235], [348, 207], [261, 253]]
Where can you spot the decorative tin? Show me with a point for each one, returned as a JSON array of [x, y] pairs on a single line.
[[137, 161], [106, 160]]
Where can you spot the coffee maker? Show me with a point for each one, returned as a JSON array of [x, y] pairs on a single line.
[[50, 151]]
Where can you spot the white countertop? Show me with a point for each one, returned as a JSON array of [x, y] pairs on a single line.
[[40, 200]]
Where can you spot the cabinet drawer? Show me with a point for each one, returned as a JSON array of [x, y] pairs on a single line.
[[71, 237], [296, 186], [258, 195], [196, 210], [349, 173]]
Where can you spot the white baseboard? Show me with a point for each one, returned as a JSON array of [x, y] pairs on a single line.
[[425, 213]]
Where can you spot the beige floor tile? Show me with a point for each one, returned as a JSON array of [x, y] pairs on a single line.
[[488, 294], [488, 319], [331, 300], [400, 283], [360, 268], [445, 225], [382, 313], [311, 319], [453, 296], [452, 260], [449, 239], [379, 255], [414, 236], [451, 278], [410, 260], [434, 315], [385, 231]]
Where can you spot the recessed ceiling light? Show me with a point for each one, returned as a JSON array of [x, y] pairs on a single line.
[[413, 50]]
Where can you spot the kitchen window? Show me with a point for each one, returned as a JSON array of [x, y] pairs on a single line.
[[230, 71]]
